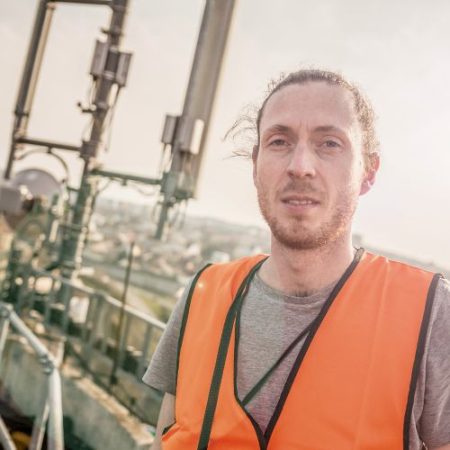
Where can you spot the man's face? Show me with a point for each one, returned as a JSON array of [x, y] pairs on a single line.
[[309, 168]]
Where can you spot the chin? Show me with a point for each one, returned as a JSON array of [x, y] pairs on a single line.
[[296, 235], [301, 244], [299, 239]]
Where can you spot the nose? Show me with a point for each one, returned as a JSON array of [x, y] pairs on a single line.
[[302, 162]]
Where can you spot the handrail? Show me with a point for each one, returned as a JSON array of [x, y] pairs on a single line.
[[41, 350], [108, 298], [96, 328], [53, 402], [90, 322]]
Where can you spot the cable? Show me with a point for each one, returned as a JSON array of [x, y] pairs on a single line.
[[50, 152], [147, 193], [109, 119]]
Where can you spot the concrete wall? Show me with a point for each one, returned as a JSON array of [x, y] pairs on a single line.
[[97, 418]]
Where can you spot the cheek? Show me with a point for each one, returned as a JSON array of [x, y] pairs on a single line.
[[260, 170], [270, 166], [346, 182], [265, 179], [356, 172]]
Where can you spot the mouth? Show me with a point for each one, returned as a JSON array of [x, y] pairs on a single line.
[[299, 201], [299, 205]]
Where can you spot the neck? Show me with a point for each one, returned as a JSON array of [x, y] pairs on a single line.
[[303, 272]]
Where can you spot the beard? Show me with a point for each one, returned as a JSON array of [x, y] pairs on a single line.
[[294, 233]]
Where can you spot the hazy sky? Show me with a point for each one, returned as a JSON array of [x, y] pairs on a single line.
[[397, 51]]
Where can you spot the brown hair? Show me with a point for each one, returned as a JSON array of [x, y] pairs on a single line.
[[363, 108]]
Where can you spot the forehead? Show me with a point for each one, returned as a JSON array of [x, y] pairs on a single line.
[[311, 104]]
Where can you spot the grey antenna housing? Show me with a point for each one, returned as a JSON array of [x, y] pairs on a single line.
[[18, 195]]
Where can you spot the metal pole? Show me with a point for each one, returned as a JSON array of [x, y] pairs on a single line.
[[51, 413], [35, 343], [49, 144], [5, 438], [105, 84], [5, 313], [55, 436], [119, 335], [30, 76], [76, 230], [145, 350], [52, 405], [39, 425], [125, 177], [94, 328], [198, 102]]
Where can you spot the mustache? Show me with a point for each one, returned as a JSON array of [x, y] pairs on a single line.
[[301, 187]]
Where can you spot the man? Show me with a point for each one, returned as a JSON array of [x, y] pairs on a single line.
[[320, 345]]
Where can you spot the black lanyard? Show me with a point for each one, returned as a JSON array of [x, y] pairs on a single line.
[[221, 357], [257, 387]]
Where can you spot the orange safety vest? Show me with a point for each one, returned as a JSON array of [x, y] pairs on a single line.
[[352, 385]]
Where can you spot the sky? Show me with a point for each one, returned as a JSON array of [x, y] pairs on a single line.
[[396, 51]]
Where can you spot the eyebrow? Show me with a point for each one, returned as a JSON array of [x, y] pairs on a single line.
[[327, 129], [319, 129], [278, 127]]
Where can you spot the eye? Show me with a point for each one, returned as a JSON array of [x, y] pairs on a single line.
[[278, 142], [330, 144]]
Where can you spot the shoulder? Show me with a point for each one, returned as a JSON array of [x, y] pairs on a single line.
[[434, 383], [443, 290], [441, 307], [395, 269], [438, 333], [229, 275], [392, 262], [244, 264]]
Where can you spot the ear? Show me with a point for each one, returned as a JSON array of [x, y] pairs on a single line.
[[371, 172], [254, 159]]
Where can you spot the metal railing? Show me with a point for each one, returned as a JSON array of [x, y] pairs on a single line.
[[51, 415], [93, 318]]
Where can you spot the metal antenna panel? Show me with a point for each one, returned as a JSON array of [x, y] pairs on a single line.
[[110, 63], [18, 195]]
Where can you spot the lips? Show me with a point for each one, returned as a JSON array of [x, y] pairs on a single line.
[[299, 200]]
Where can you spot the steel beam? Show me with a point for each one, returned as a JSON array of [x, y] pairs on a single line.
[[47, 144], [30, 75]]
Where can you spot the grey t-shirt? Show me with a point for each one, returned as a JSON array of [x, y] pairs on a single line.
[[270, 321]]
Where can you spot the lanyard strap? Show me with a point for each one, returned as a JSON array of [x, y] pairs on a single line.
[[266, 376], [221, 357]]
